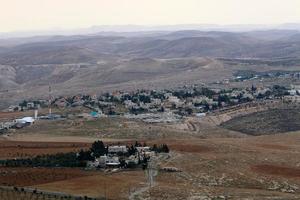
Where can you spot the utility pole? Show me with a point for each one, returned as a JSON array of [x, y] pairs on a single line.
[[49, 101]]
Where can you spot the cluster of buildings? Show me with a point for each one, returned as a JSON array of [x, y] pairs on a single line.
[[119, 156], [295, 90], [166, 105], [294, 94], [246, 75], [27, 105], [16, 124]]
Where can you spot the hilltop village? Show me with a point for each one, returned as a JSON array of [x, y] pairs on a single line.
[[160, 106]]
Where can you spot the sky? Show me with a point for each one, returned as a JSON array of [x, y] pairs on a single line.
[[27, 15]]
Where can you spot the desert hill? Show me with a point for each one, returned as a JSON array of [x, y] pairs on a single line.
[[99, 62]]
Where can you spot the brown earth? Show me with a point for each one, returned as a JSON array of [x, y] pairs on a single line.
[[13, 115], [17, 149], [33, 176], [284, 171], [112, 186], [273, 146], [190, 148]]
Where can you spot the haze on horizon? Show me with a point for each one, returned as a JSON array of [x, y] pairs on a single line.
[[32, 15]]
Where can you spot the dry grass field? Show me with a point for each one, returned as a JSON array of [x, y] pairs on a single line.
[[264, 167], [105, 128]]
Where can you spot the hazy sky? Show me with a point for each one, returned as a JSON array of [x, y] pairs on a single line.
[[67, 14]]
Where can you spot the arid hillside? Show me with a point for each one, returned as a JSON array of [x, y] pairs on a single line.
[[97, 63], [272, 121]]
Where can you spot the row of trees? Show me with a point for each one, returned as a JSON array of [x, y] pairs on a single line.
[[56, 160]]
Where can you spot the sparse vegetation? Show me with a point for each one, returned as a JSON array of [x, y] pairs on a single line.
[[266, 122]]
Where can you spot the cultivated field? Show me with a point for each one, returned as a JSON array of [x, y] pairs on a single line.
[[15, 149]]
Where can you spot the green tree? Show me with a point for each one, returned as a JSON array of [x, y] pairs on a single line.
[[98, 149]]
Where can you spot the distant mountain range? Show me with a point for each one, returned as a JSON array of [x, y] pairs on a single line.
[[90, 48], [123, 60], [137, 29]]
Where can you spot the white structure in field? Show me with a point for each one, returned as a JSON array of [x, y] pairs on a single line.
[[25, 120]]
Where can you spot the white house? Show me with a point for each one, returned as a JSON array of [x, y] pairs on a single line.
[[108, 161], [117, 149], [30, 105]]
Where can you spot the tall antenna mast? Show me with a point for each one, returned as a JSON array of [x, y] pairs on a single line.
[[50, 109]]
